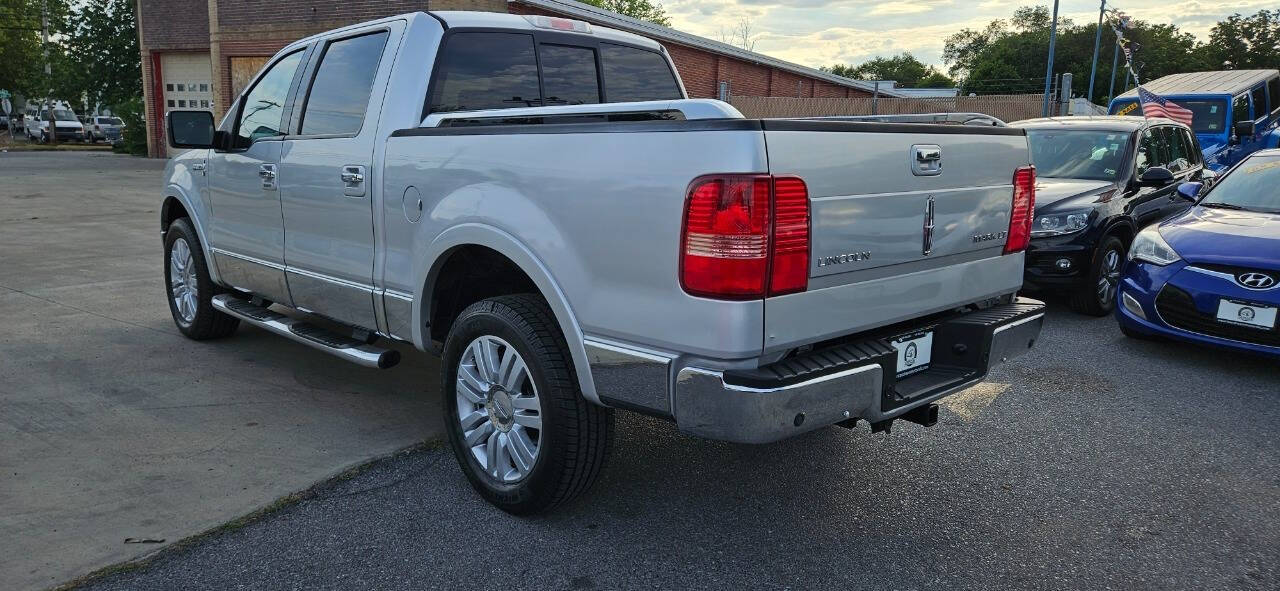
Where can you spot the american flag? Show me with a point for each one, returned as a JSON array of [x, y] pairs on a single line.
[[1154, 105]]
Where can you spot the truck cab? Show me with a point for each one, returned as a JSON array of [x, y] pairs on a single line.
[[1235, 112]]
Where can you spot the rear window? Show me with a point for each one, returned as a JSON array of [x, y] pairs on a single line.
[[486, 71], [632, 74], [569, 75]]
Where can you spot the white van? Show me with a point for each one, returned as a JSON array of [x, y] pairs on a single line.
[[67, 125]]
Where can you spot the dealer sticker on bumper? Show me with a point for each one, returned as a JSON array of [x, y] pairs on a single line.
[[1234, 312], [914, 352]]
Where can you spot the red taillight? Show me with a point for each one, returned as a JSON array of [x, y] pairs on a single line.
[[790, 266], [738, 227], [1024, 209]]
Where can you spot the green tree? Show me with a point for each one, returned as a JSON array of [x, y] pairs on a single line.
[[1008, 56], [644, 10], [1245, 42], [103, 40], [21, 58], [903, 68]]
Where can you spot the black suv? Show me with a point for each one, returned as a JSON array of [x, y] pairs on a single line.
[[1099, 181]]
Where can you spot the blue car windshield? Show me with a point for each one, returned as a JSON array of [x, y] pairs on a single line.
[[1208, 116], [1078, 153], [1252, 186]]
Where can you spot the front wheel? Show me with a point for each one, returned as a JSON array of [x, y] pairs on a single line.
[[517, 422], [1098, 296], [190, 288]]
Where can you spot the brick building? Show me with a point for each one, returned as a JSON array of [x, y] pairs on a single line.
[[201, 53]]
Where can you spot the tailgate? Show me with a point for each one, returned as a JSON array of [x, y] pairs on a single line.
[[906, 220]]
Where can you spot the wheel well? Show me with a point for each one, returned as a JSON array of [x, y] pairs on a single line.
[[169, 212], [470, 274], [1124, 232]]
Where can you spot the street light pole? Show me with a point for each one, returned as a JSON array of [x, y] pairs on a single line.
[[1115, 63], [1048, 74], [1097, 41], [48, 75]]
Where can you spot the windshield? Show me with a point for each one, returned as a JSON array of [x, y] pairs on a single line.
[[1253, 186], [1207, 116], [59, 114], [1078, 153]]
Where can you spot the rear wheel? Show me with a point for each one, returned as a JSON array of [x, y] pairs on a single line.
[[517, 422], [1098, 296], [190, 288]]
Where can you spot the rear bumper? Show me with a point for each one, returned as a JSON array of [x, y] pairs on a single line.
[[849, 380]]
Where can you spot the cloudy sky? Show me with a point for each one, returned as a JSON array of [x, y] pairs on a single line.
[[821, 32]]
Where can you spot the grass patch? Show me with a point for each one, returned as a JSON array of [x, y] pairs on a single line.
[[238, 523]]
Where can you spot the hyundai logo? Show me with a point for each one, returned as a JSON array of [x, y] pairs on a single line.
[[1256, 280]]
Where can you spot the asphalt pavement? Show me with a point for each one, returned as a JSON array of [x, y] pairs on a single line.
[[1092, 462]]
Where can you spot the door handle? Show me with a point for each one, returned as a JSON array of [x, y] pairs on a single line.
[[268, 174], [353, 180]]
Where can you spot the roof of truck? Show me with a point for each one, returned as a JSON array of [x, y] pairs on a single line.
[[503, 20], [1103, 122], [1221, 82]]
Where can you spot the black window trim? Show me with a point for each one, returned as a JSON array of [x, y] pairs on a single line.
[[287, 114], [540, 36], [312, 69]]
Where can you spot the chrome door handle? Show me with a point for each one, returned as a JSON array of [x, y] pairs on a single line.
[[198, 166], [353, 180], [268, 174]]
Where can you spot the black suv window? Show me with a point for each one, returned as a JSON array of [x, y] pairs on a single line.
[[486, 71], [632, 74], [263, 109], [340, 92], [1153, 149], [569, 75], [1179, 159]]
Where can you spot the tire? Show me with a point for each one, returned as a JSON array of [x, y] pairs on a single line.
[[1098, 296], [192, 309], [570, 437]]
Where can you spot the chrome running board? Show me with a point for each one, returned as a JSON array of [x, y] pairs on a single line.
[[338, 345]]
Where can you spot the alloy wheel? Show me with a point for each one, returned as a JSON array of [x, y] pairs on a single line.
[[183, 285], [1108, 277], [498, 409]]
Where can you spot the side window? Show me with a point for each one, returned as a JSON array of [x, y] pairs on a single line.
[[632, 74], [1194, 158], [1259, 95], [486, 71], [339, 94], [1240, 109], [1178, 160], [1146, 152], [569, 75], [263, 108], [1273, 95]]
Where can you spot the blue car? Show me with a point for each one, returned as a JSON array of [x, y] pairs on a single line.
[[1212, 274]]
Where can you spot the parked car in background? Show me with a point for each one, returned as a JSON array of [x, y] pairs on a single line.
[[103, 128], [537, 200], [1234, 112], [1212, 275], [67, 126], [1099, 181]]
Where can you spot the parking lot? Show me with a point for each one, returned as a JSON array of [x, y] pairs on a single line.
[[1093, 461]]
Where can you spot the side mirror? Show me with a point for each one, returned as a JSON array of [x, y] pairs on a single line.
[[1156, 176], [1241, 130], [190, 129], [1189, 191]]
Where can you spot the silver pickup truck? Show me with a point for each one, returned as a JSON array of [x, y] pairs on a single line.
[[536, 200]]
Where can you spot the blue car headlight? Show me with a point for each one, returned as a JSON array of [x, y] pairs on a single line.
[[1150, 247], [1057, 224]]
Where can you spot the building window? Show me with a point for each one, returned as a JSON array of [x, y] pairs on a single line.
[[182, 88], [204, 104], [204, 88], [168, 87], [170, 103], [182, 104]]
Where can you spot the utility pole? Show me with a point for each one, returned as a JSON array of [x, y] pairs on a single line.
[[1048, 73], [48, 74], [1115, 63], [1097, 41]]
